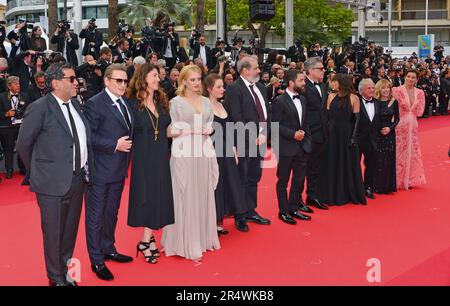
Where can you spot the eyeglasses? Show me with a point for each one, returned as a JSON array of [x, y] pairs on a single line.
[[72, 78], [320, 68], [120, 81]]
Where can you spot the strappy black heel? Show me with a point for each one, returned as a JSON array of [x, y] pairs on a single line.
[[155, 252], [151, 259]]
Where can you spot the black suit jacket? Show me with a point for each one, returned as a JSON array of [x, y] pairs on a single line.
[[73, 45], [316, 106], [369, 131], [89, 36], [196, 48], [241, 107], [285, 113], [34, 93], [45, 145], [174, 45], [107, 126], [5, 106], [21, 70]]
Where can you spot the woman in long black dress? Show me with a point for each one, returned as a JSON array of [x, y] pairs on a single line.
[[229, 199], [151, 198], [386, 178], [340, 179]]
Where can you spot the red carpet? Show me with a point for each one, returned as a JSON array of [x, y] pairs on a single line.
[[408, 232]]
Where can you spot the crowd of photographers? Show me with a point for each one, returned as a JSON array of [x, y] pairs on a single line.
[[22, 71]]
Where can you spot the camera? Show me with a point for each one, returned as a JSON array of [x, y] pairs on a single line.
[[196, 34], [92, 25], [19, 112], [28, 25], [2, 22], [63, 26], [123, 28]]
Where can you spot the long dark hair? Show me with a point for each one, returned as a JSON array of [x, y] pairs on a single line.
[[139, 85], [345, 89]]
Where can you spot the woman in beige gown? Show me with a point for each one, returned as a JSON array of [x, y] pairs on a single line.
[[194, 171]]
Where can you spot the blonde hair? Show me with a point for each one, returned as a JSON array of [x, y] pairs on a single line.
[[380, 84], [184, 74], [274, 80], [184, 43]]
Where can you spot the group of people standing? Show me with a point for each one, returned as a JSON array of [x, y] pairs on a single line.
[[189, 170]]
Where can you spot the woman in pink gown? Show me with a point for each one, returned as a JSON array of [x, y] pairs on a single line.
[[411, 102]]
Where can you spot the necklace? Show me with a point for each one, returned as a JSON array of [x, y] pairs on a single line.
[[155, 126]]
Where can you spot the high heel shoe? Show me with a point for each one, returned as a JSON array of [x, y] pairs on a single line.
[[155, 252], [151, 259]]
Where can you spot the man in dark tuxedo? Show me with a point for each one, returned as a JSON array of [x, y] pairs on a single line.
[[201, 50], [93, 39], [289, 110], [38, 89], [111, 122], [296, 52], [24, 69], [122, 54], [12, 107], [348, 68], [246, 102], [66, 43], [54, 144], [398, 79], [369, 129], [316, 100]]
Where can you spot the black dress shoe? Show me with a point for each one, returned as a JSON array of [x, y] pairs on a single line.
[[303, 208], [53, 283], [102, 272], [118, 258], [300, 216], [258, 219], [369, 194], [316, 203], [241, 225], [9, 175], [286, 218], [222, 231], [71, 283]]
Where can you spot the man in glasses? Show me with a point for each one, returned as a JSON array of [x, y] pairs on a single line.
[[316, 101], [55, 146], [111, 122]]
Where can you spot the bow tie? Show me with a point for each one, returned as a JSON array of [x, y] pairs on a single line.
[[296, 97], [371, 101], [316, 84], [16, 95]]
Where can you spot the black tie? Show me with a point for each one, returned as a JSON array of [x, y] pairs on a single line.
[[76, 140], [296, 97], [259, 108], [124, 113]]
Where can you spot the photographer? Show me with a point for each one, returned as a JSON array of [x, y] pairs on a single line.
[[92, 73], [296, 52], [12, 108], [171, 42], [2, 34], [201, 50], [93, 39], [66, 41], [122, 54], [19, 38], [438, 53], [3, 74], [24, 68], [38, 89]]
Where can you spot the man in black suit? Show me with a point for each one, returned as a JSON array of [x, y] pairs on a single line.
[[369, 129], [54, 144], [316, 98], [93, 39], [296, 52], [66, 43], [122, 54], [289, 110], [170, 46], [12, 108], [201, 50], [246, 103], [38, 89], [24, 69], [111, 122]]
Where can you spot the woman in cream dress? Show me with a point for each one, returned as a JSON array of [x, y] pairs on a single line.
[[194, 171]]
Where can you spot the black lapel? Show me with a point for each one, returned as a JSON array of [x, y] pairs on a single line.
[[246, 92], [112, 106], [77, 107], [56, 109], [290, 103], [313, 89], [363, 108]]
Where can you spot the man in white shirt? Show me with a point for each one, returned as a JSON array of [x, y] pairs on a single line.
[[55, 145]]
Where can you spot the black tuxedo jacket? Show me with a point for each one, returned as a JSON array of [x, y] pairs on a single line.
[[5, 106], [316, 106], [45, 145], [285, 113], [21, 70], [196, 48], [369, 131], [73, 45]]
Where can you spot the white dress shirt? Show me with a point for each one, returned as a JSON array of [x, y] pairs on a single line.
[[258, 93], [298, 104], [81, 130], [317, 87], [370, 108], [115, 98], [203, 55]]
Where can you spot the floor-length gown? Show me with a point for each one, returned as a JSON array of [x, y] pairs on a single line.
[[194, 178], [340, 178], [410, 170], [386, 176]]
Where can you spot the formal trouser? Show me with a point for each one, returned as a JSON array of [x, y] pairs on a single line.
[[170, 62], [443, 105], [297, 165], [8, 137], [250, 172], [313, 169], [60, 217], [366, 148], [102, 207]]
